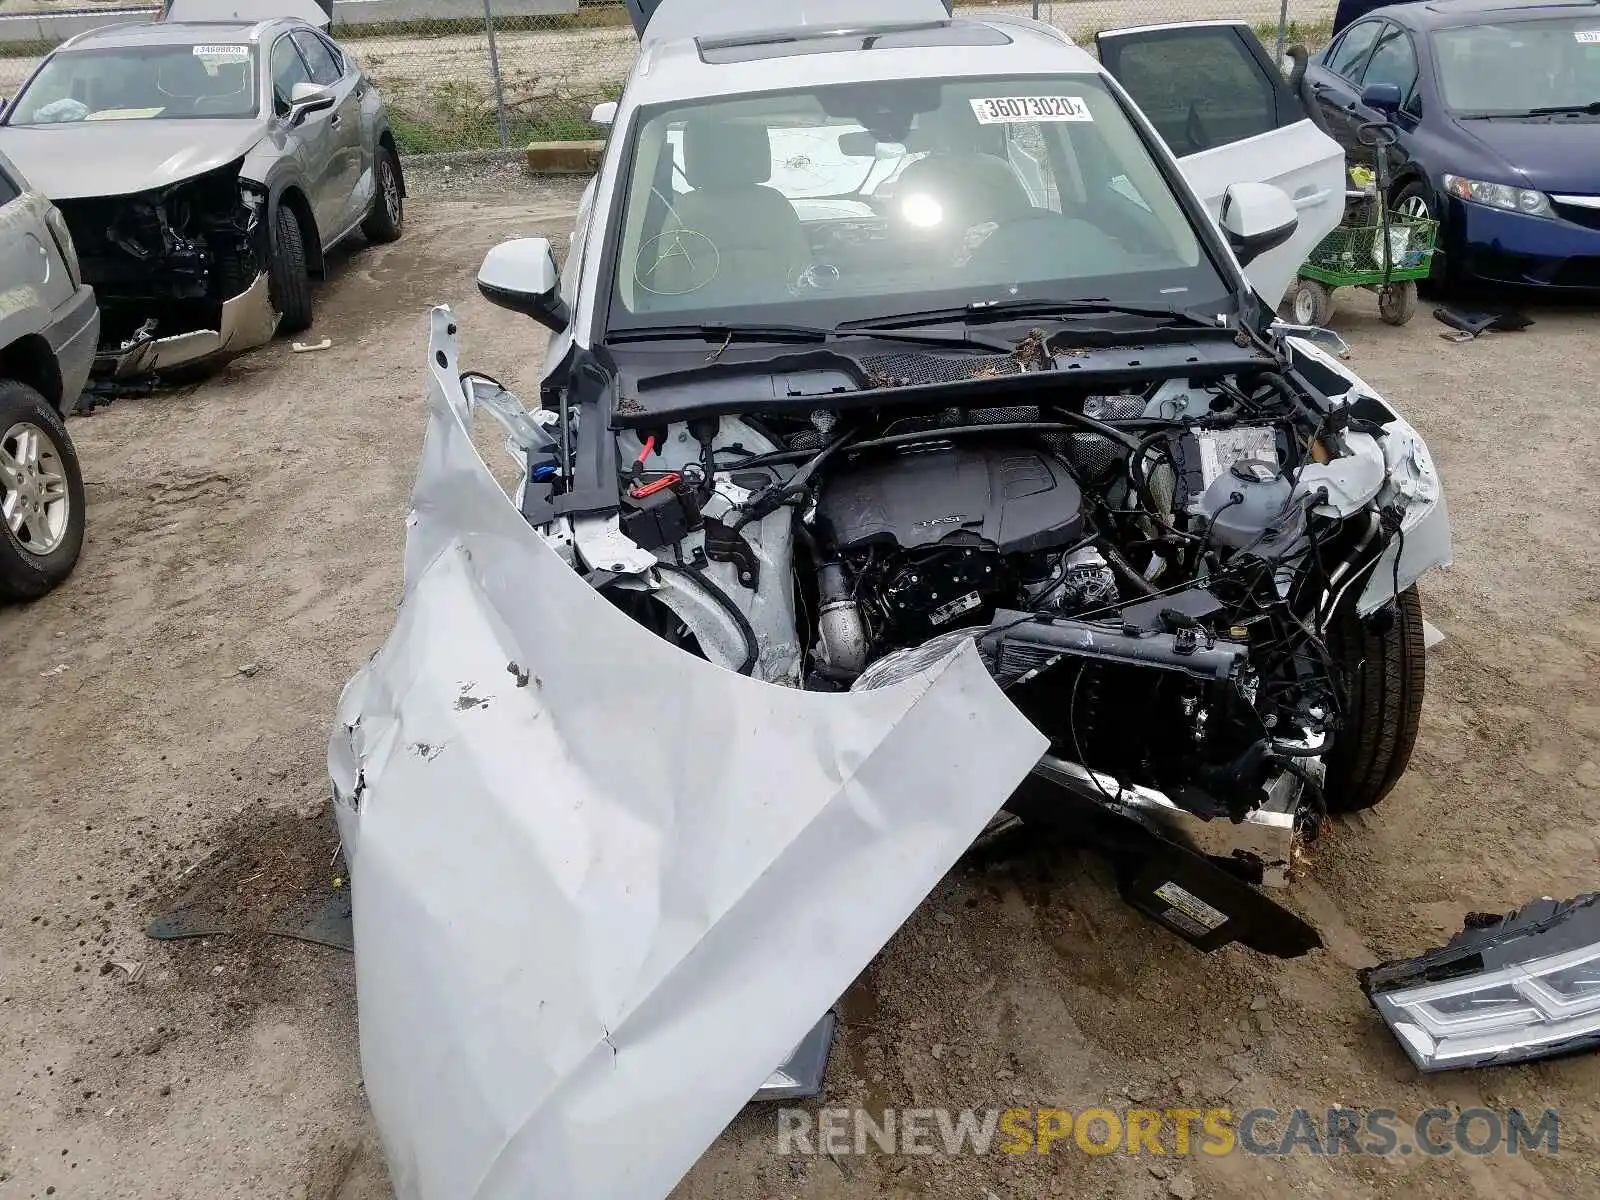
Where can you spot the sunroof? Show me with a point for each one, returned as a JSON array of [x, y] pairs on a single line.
[[752, 47]]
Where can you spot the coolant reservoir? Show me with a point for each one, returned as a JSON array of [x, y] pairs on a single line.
[[1250, 507]]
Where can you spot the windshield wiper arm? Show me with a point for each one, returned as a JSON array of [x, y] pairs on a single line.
[[1006, 310], [1512, 114], [1555, 110], [718, 334], [723, 335]]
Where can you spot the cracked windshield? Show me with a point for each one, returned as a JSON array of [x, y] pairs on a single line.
[[133, 83], [857, 200]]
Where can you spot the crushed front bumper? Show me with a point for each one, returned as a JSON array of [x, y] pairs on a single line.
[[248, 320]]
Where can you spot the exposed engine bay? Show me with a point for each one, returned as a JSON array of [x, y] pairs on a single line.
[[163, 263], [1153, 575]]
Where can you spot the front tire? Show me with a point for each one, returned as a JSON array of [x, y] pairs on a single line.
[[42, 513], [1416, 200], [388, 216], [288, 279], [1386, 674]]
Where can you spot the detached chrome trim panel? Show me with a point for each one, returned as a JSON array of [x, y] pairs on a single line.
[[248, 320], [1266, 836]]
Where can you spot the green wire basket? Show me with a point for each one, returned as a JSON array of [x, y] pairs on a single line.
[[1352, 255]]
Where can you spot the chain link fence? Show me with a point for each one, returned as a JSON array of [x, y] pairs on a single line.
[[480, 74]]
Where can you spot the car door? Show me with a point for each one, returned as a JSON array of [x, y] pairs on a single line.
[[1228, 115], [312, 141], [1335, 80], [347, 201], [1393, 60]]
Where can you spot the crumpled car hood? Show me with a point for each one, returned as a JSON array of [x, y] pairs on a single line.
[[120, 158], [602, 887]]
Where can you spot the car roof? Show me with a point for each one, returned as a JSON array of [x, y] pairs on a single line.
[[1445, 14], [667, 19], [173, 33], [677, 69], [310, 11]]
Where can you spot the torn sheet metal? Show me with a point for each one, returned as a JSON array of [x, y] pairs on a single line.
[[602, 887], [1410, 479]]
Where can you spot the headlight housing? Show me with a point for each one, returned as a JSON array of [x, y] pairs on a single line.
[[1506, 990], [1499, 195]]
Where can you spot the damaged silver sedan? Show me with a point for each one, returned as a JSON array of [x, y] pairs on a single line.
[[205, 167], [961, 478]]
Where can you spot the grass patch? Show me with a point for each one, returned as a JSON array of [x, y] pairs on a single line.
[[460, 115], [37, 48], [414, 135], [587, 17], [1313, 35]]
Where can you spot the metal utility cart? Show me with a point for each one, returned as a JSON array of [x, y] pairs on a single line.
[[1375, 248]]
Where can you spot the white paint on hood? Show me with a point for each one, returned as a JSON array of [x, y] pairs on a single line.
[[601, 886]]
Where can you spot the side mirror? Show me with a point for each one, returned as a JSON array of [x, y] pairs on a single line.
[[521, 275], [305, 99], [1257, 217], [1382, 97], [604, 114]]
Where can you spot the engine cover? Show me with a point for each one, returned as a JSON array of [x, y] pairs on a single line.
[[1014, 498]]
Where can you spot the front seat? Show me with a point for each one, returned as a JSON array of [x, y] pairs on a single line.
[[969, 189], [731, 240], [226, 91], [946, 205], [182, 80]]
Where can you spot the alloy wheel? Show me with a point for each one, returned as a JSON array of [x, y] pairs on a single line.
[[391, 190], [1415, 206], [33, 489]]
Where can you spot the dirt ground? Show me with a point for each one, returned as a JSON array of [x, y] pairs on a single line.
[[256, 522]]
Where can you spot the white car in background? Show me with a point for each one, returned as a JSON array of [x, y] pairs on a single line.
[[915, 442]]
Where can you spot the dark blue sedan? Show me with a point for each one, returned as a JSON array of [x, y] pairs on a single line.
[[1498, 108]]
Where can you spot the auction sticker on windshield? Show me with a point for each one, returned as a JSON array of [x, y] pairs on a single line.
[[1005, 110], [223, 53], [1588, 37]]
